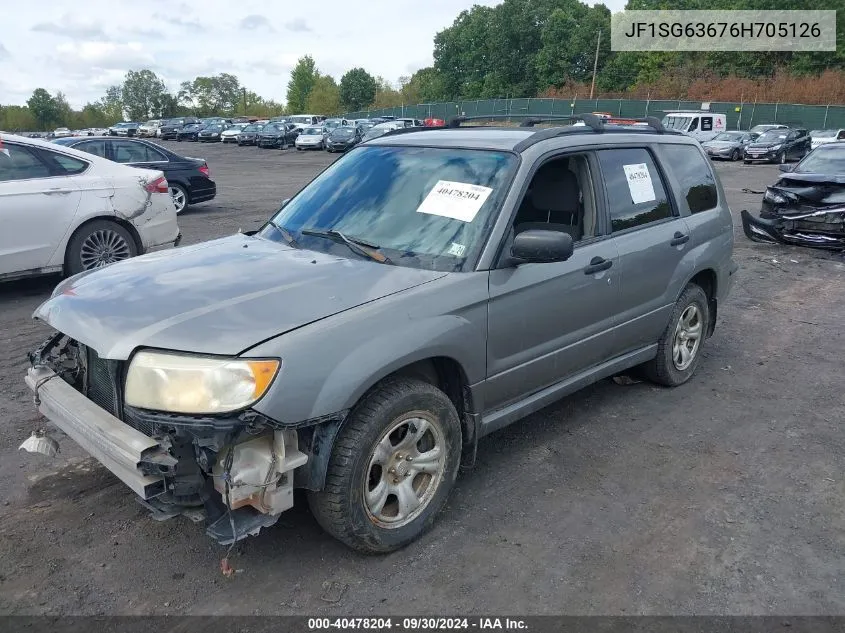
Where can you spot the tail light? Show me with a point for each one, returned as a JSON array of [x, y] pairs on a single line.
[[159, 185], [205, 171]]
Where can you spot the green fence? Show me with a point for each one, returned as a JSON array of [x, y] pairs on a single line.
[[740, 115]]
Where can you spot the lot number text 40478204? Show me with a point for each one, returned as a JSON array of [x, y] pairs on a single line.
[[417, 624]]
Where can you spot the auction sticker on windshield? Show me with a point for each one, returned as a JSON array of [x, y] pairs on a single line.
[[456, 200], [639, 183]]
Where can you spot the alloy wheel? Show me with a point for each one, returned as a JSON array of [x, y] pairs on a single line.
[[405, 470], [103, 247]]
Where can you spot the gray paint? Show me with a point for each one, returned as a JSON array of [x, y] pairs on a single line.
[[523, 336]]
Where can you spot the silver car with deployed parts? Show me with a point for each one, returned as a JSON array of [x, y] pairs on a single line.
[[428, 288]]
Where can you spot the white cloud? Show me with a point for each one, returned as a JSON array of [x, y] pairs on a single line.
[[298, 25], [4, 54], [256, 22]]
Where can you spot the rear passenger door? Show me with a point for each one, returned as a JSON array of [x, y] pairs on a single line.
[[652, 240]]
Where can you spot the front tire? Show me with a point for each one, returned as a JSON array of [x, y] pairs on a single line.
[[679, 348], [735, 156], [98, 244], [782, 158], [391, 468]]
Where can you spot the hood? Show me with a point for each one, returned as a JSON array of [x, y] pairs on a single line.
[[766, 143], [218, 297], [813, 189], [720, 144]]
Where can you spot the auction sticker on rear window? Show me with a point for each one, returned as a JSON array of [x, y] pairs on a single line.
[[639, 183], [456, 200]]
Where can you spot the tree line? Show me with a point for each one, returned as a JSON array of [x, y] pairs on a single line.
[[518, 48]]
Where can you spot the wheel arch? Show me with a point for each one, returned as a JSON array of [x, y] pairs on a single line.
[[443, 372], [708, 281]]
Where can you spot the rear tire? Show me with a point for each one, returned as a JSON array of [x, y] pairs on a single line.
[[98, 244], [391, 468], [678, 353]]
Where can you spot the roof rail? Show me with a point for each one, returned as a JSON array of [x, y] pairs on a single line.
[[598, 125]]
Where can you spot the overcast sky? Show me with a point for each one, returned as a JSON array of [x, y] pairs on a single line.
[[81, 49]]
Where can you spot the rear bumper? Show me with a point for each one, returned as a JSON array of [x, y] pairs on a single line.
[[782, 231], [203, 194], [116, 445]]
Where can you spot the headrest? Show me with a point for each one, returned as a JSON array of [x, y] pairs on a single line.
[[555, 189]]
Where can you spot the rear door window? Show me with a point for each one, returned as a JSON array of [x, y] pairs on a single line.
[[698, 185], [98, 147], [636, 195], [129, 152]]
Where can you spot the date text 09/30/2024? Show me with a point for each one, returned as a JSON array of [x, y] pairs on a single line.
[[417, 624]]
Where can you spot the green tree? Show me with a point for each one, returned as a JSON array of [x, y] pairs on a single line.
[[302, 80], [424, 86], [386, 95], [44, 108], [218, 94], [357, 89], [142, 90], [112, 104], [15, 118], [324, 97]]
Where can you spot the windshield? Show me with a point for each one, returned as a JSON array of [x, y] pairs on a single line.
[[824, 160], [332, 123], [312, 131], [772, 136], [424, 207], [823, 133], [273, 127], [252, 128], [676, 122], [728, 136], [214, 127], [343, 131], [375, 133], [301, 119]]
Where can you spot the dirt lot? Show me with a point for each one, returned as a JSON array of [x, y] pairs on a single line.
[[725, 495]]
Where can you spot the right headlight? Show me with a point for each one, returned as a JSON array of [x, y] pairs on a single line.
[[774, 198], [180, 383]]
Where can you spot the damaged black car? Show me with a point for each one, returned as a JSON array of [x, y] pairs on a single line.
[[806, 206]]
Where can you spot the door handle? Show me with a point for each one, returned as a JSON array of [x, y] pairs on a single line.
[[598, 264], [56, 191], [679, 238]]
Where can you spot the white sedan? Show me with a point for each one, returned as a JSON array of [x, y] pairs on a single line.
[[63, 210]]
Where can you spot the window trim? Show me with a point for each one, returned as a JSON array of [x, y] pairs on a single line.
[[664, 179]]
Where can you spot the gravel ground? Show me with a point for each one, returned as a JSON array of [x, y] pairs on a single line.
[[723, 496]]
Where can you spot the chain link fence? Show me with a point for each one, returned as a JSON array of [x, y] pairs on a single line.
[[741, 116]]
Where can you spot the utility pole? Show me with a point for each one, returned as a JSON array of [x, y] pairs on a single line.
[[244, 91], [595, 65]]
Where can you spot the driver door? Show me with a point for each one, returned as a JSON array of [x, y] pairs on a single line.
[[550, 321]]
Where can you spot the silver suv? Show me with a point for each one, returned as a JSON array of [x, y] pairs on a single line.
[[430, 287]]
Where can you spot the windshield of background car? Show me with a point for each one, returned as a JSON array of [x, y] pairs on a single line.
[[823, 133], [273, 128], [214, 127], [676, 122], [824, 160], [424, 207], [343, 132], [773, 136], [375, 133], [728, 136], [312, 131], [332, 124]]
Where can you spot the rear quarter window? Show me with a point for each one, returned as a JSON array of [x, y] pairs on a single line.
[[692, 171]]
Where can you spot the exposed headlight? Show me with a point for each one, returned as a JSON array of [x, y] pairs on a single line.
[[196, 385], [774, 198]]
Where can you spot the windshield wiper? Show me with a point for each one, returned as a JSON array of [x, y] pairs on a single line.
[[284, 233], [359, 246]]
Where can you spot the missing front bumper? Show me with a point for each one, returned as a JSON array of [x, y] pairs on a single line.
[[776, 231]]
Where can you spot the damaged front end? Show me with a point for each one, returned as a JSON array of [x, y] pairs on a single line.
[[802, 210], [233, 471]]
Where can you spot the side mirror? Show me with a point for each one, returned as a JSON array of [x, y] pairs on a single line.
[[541, 246], [786, 167]]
